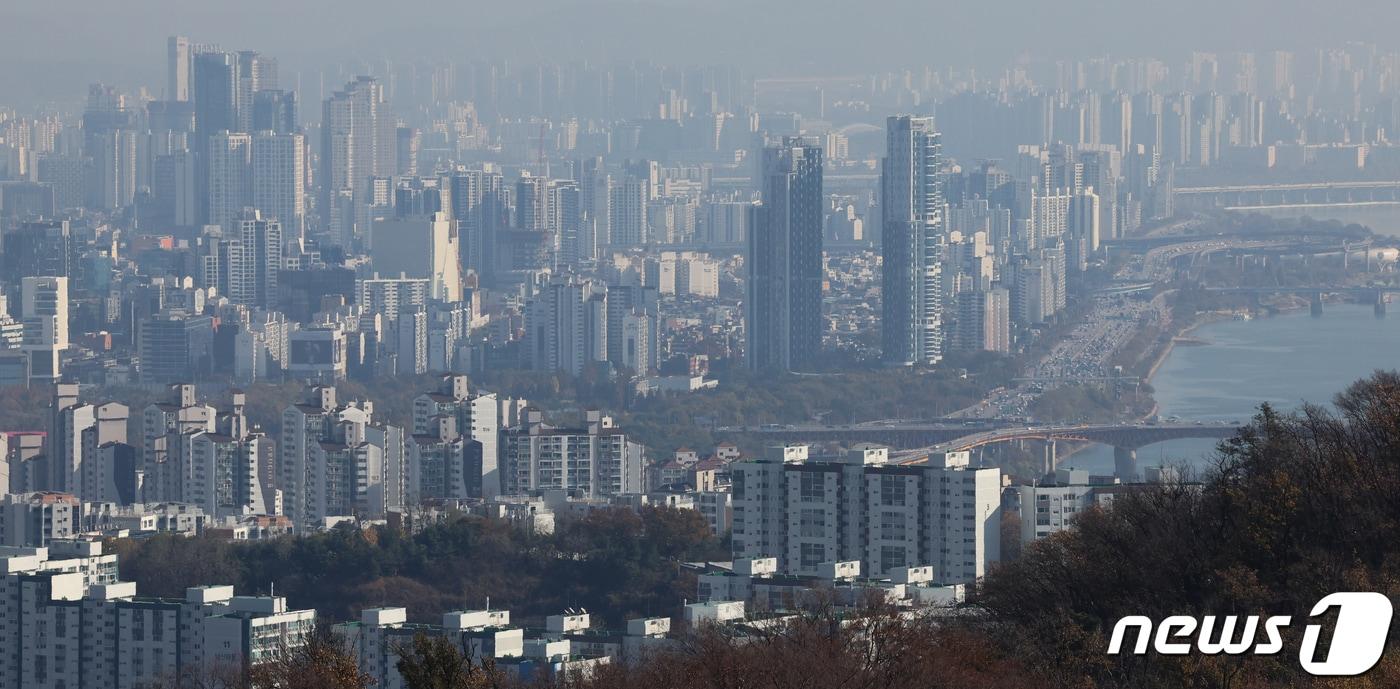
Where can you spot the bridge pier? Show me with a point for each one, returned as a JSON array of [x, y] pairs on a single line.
[[1125, 464], [1049, 455], [1315, 308], [1380, 304]]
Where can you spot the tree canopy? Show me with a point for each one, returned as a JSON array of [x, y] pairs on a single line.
[[616, 562]]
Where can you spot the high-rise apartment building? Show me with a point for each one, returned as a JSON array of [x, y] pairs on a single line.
[[178, 68], [214, 90], [77, 434], [275, 110], [983, 320], [783, 316], [357, 145], [256, 72], [566, 326], [808, 513], [223, 472], [333, 458], [628, 213], [98, 632], [44, 312], [594, 460], [162, 425], [423, 247], [230, 182], [262, 247], [1082, 240], [279, 181], [457, 435], [913, 239]]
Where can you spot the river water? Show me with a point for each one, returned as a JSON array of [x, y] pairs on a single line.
[[1283, 360], [1383, 218]]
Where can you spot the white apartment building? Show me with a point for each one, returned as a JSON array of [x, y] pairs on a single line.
[[196, 455], [230, 178], [1054, 504], [222, 473], [279, 181], [162, 425], [1046, 509], [594, 460], [252, 631], [420, 247], [454, 453], [862, 508], [379, 634], [391, 296], [566, 326], [78, 432], [35, 519], [332, 459], [44, 313], [67, 623]]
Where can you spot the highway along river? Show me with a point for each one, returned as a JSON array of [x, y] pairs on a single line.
[[1284, 360]]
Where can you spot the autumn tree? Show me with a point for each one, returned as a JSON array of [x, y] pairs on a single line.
[[322, 661], [1297, 506], [434, 662]]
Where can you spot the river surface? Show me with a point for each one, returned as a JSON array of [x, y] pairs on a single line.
[[1383, 217], [1283, 360]]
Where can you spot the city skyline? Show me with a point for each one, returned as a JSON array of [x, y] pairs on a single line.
[[638, 344], [553, 31]]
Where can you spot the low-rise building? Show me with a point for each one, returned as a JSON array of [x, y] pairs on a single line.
[[1053, 504]]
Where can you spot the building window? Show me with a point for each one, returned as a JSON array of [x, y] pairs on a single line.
[[892, 491], [813, 554], [892, 526], [812, 523], [893, 556], [813, 486]]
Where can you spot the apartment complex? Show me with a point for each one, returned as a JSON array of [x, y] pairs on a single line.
[[860, 507], [592, 460], [65, 621]]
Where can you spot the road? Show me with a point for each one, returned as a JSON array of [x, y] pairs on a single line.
[[1110, 323]]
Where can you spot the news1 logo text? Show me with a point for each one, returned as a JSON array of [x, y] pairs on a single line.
[[1357, 641]]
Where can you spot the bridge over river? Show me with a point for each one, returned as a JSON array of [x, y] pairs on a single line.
[[1303, 193], [914, 441]]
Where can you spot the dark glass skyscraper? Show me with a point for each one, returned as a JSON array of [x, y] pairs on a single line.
[[275, 110], [215, 93], [214, 90], [784, 304]]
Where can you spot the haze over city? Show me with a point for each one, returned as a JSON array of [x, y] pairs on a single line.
[[664, 344], [119, 42]]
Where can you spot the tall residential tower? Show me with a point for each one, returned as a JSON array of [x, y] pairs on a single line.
[[784, 304], [911, 196]]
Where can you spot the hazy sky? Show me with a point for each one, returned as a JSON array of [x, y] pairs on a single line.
[[52, 49]]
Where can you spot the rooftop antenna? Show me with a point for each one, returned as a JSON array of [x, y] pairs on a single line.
[[272, 589], [488, 604]]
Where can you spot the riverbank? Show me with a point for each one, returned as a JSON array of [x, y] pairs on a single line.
[[1184, 333]]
